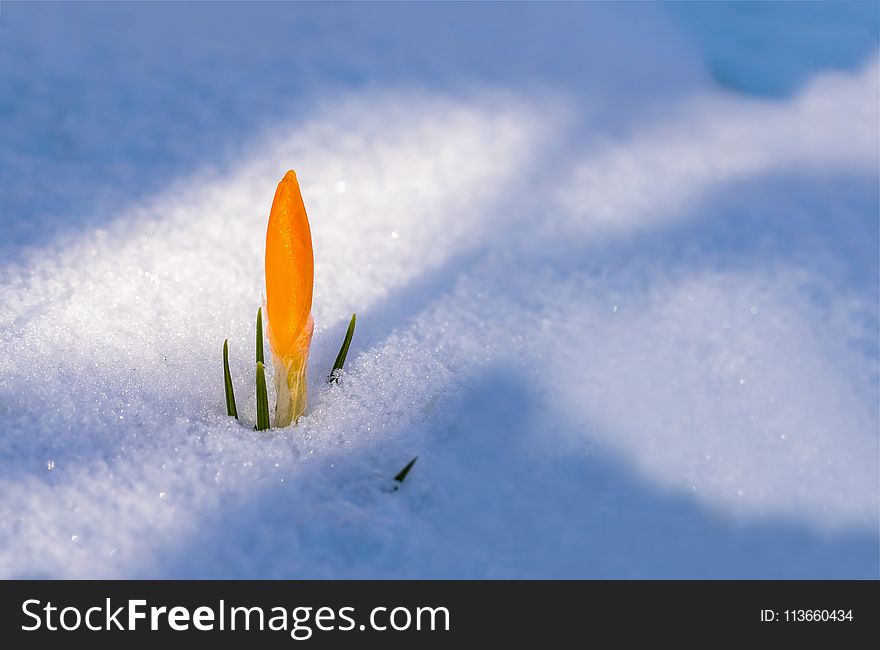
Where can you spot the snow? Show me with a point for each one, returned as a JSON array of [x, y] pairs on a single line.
[[616, 281]]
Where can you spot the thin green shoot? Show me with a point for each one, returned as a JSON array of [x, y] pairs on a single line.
[[262, 399], [227, 383], [260, 357], [343, 352], [401, 475]]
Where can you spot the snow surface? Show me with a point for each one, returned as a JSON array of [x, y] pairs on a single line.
[[616, 278]]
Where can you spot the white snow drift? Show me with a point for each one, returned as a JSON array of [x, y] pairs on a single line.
[[595, 387]]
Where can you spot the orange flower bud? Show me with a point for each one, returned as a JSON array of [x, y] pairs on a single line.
[[290, 276]]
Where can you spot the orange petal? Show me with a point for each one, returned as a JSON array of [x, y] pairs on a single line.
[[290, 269]]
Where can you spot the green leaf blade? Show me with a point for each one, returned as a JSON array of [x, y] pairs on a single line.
[[227, 383], [260, 357], [343, 352], [401, 475], [262, 399]]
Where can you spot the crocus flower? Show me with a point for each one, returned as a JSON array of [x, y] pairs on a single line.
[[290, 273]]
